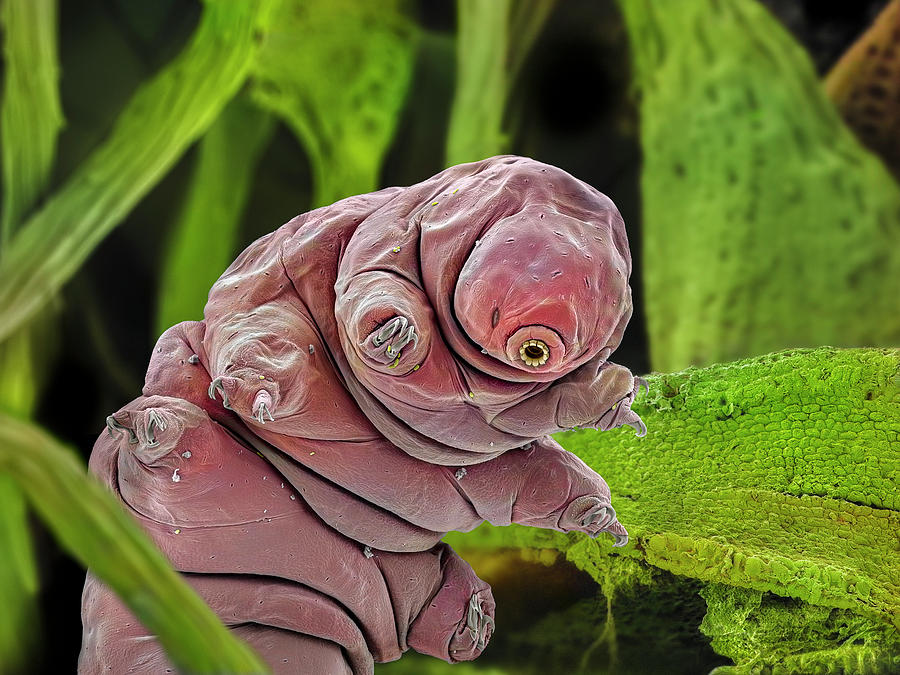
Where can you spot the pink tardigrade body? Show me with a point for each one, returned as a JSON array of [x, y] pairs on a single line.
[[368, 377]]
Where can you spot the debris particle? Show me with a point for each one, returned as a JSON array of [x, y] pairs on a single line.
[[312, 349], [311, 454], [460, 473], [178, 531], [186, 454], [396, 249], [293, 498], [175, 477], [367, 551], [193, 359]]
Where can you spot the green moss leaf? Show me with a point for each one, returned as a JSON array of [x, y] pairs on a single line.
[[30, 121], [776, 474], [765, 223], [493, 38], [337, 71], [89, 523], [31, 114], [162, 119]]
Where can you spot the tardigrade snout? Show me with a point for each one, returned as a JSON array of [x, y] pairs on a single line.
[[540, 289]]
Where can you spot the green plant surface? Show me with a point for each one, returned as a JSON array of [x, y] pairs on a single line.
[[766, 224], [337, 71], [31, 115], [492, 41], [162, 119], [776, 474], [18, 579], [205, 239], [30, 121], [761, 631], [481, 81], [91, 525]]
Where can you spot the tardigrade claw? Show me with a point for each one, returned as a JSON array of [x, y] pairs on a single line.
[[154, 420], [261, 407], [478, 623], [621, 413], [396, 325], [621, 539], [217, 386], [404, 331], [112, 424], [639, 427], [601, 516]]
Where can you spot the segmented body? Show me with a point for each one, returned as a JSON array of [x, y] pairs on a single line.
[[358, 387]]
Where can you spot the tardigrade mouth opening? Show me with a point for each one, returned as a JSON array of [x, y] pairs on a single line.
[[534, 352]]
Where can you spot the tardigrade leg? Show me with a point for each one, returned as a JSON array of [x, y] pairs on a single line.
[[386, 322], [114, 641], [233, 367], [214, 507], [542, 485], [598, 395], [441, 606]]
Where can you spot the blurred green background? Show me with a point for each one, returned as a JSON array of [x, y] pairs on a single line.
[[146, 143]]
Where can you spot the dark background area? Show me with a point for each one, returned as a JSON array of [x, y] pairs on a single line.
[[571, 107]]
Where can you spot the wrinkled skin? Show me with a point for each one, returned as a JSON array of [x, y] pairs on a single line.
[[360, 386]]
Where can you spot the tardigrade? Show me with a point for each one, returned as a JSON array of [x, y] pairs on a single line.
[[366, 378]]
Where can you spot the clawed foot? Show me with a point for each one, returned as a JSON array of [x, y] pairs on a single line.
[[621, 413], [594, 516], [243, 396], [113, 426], [153, 432], [154, 421], [397, 333], [218, 385], [262, 405], [480, 625]]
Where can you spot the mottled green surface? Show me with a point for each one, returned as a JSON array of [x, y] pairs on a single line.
[[766, 224], [91, 525], [759, 629], [777, 474], [337, 71]]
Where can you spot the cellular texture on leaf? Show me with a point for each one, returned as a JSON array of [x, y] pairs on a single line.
[[368, 377], [776, 474], [766, 224]]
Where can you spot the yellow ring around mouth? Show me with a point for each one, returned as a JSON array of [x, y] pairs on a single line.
[[534, 352]]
